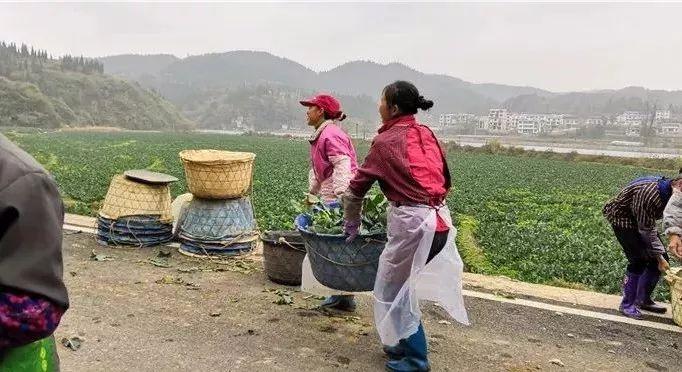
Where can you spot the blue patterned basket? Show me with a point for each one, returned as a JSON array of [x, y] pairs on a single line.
[[216, 250], [214, 221], [337, 264]]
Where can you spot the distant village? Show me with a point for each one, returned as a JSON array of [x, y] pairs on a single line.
[[504, 122]]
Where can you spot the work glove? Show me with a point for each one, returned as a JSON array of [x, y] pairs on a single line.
[[351, 229], [311, 199], [333, 204]]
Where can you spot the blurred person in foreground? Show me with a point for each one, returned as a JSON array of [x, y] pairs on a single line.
[[33, 296]]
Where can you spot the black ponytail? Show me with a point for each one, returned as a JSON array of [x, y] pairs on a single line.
[[339, 115], [406, 96], [423, 103]]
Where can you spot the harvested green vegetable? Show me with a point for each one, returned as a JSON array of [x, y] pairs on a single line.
[[329, 220]]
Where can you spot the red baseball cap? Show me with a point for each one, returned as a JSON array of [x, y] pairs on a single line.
[[329, 104]]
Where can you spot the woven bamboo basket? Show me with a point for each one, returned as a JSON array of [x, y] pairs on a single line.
[[674, 278], [129, 198], [214, 174]]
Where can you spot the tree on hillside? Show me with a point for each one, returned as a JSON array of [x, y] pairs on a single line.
[[647, 129]]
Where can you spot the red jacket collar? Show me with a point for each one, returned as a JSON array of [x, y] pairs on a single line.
[[405, 120]]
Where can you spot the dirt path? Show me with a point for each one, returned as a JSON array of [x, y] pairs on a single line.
[[228, 321]]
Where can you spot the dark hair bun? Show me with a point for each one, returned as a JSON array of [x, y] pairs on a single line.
[[406, 96], [423, 103]]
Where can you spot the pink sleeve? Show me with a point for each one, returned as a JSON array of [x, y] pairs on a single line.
[[342, 174], [338, 145], [313, 184]]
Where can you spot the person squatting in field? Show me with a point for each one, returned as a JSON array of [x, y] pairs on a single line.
[[633, 214]]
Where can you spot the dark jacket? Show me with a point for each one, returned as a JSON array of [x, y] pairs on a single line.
[[31, 219]]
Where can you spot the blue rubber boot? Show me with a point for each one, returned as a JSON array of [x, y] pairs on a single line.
[[396, 352], [645, 288], [342, 303], [415, 359], [628, 306]]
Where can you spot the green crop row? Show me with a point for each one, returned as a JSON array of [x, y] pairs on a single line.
[[536, 220]]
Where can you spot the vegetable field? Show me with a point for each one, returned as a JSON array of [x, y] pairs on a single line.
[[532, 219]]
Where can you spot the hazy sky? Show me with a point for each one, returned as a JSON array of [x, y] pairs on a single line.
[[559, 47]]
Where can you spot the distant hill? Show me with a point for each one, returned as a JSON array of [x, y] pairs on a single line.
[[211, 89], [368, 78], [206, 87], [38, 91], [502, 93], [135, 66], [598, 102]]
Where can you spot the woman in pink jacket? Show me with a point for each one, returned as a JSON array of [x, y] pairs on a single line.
[[333, 165]]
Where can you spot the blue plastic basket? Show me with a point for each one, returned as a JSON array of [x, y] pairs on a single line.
[[337, 264]]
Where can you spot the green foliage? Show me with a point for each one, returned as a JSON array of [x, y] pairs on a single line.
[[496, 148], [532, 219], [41, 92], [471, 252], [328, 220]]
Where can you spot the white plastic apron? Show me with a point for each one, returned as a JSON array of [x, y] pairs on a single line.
[[404, 278]]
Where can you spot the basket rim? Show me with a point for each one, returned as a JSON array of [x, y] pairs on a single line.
[[217, 156], [272, 236], [305, 232], [377, 236]]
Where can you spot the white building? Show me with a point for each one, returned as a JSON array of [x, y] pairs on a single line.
[[670, 129], [447, 120], [630, 119], [663, 115], [524, 123], [497, 120], [572, 122], [594, 121], [551, 122], [513, 121], [482, 122], [633, 131], [527, 125]]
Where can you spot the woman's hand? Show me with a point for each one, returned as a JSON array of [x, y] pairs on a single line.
[[663, 265], [675, 245], [311, 199]]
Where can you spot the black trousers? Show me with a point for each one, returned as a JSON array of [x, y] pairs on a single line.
[[437, 244], [636, 251]]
